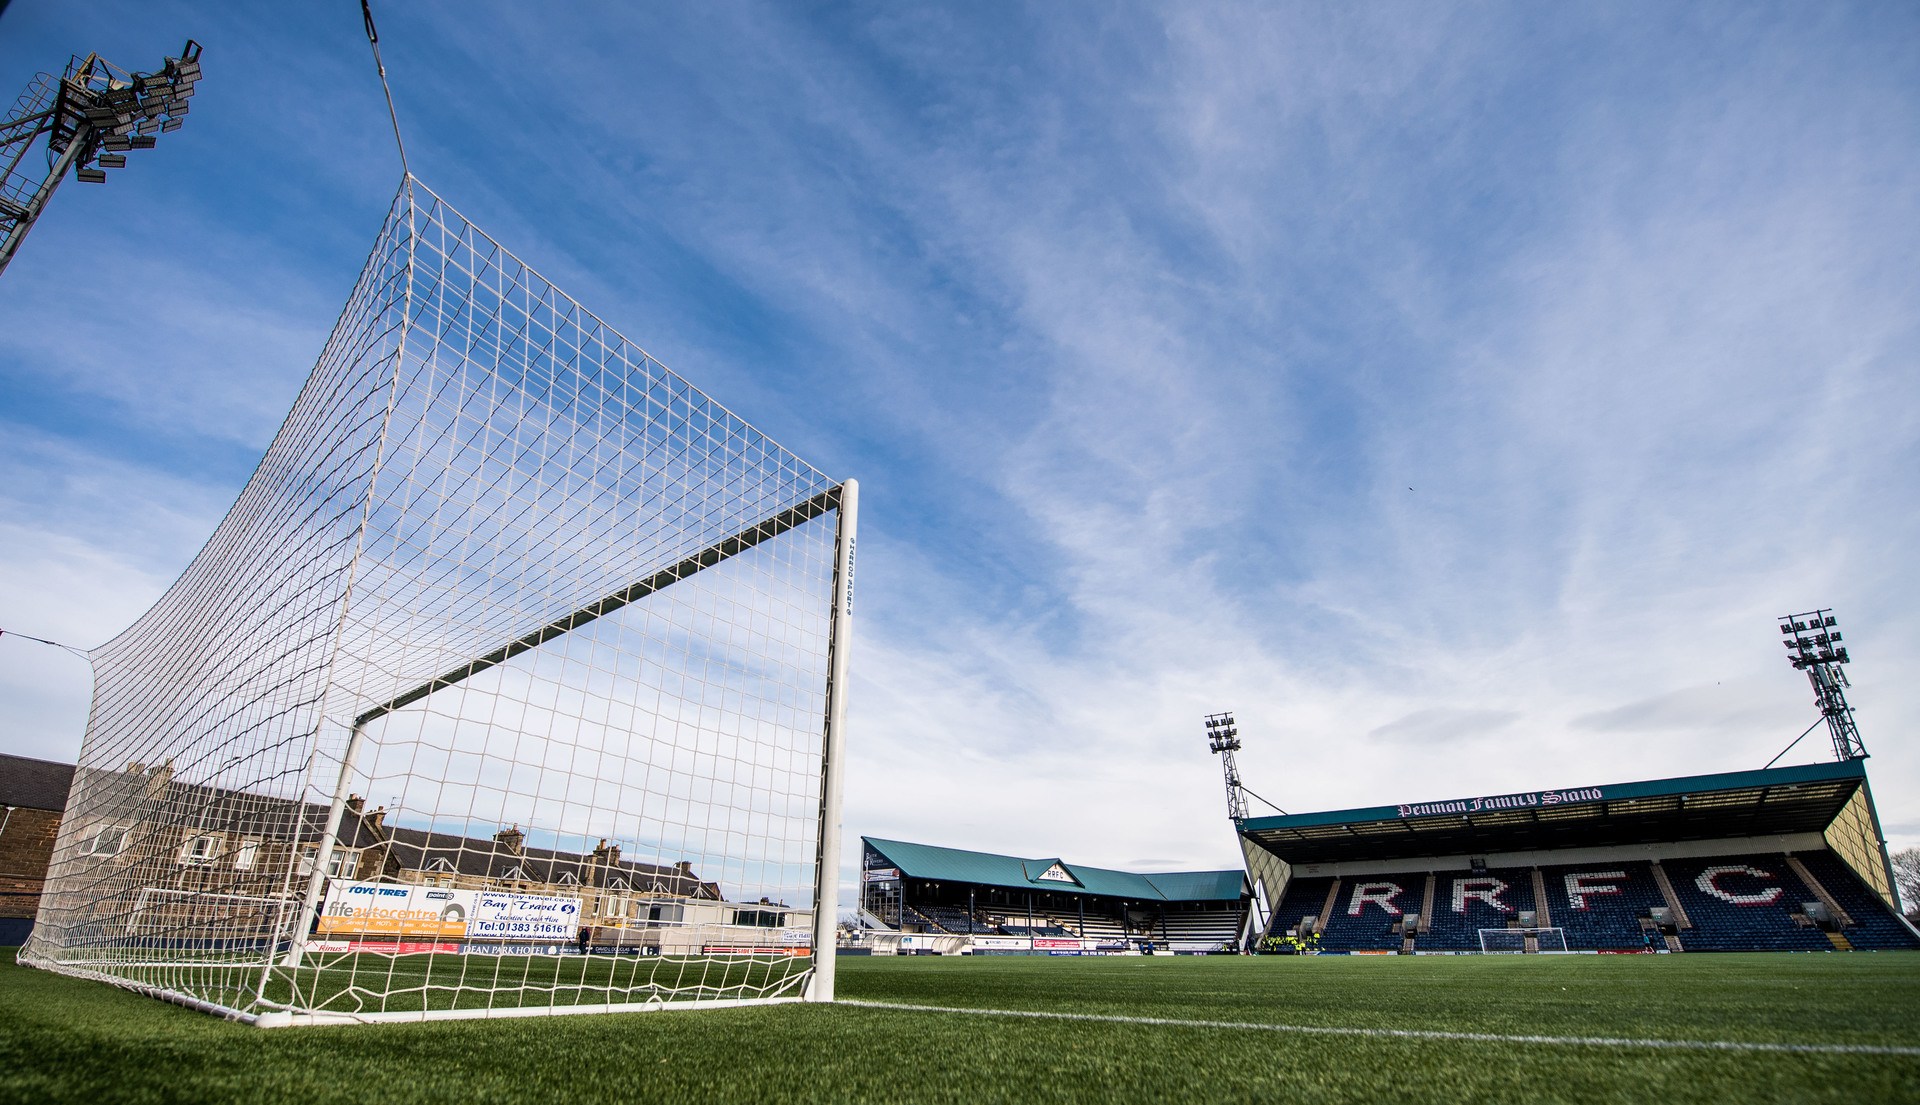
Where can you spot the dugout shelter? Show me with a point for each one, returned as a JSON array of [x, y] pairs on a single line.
[[1784, 859]]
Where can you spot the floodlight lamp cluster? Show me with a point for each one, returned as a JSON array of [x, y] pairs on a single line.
[[108, 112], [1222, 734], [1812, 639], [1813, 646]]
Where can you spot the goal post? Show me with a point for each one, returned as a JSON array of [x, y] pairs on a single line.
[[1522, 941], [826, 900], [513, 683]]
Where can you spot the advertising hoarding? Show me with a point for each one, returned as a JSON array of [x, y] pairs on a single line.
[[389, 909]]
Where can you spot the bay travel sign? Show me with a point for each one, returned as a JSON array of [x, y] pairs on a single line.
[[1505, 802]]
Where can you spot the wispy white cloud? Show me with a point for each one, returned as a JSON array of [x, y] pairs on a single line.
[[1458, 395]]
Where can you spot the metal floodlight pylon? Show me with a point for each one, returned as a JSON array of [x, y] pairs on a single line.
[[93, 107], [1223, 738], [1814, 646]]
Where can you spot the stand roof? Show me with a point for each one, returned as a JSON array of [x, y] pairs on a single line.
[[1769, 802], [1054, 875]]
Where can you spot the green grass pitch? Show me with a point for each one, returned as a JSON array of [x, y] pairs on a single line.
[[67, 1040]]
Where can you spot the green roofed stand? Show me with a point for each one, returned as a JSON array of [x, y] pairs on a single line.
[[957, 865]]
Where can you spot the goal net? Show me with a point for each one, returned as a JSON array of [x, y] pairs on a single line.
[[1520, 941], [512, 683]]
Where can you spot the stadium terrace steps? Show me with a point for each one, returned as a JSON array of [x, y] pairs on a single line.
[[1743, 903], [1194, 930], [1466, 903], [1813, 883], [1100, 928], [1304, 898], [1366, 910], [1680, 917], [950, 919], [1874, 926], [1326, 908], [1035, 930], [1599, 905]]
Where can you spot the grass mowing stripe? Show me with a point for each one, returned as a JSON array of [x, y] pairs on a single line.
[[1404, 1033]]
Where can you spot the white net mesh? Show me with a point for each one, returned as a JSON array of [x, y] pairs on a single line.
[[503, 687]]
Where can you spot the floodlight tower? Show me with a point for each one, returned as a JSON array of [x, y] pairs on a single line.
[[1813, 644], [1223, 736], [92, 115]]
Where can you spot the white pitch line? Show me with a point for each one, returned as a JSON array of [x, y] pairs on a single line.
[[1407, 1033]]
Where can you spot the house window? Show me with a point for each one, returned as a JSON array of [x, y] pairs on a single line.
[[339, 864], [249, 853], [198, 849], [106, 842]]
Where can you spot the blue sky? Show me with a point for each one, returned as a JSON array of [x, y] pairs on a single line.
[[1457, 393]]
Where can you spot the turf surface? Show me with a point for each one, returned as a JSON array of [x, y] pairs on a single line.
[[66, 1040]]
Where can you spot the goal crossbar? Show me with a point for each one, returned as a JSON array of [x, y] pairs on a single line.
[[713, 554]]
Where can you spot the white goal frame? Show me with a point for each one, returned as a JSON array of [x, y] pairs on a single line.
[[502, 585], [1541, 937]]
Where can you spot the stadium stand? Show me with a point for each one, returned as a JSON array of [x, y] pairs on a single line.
[[1056, 906], [1783, 859]]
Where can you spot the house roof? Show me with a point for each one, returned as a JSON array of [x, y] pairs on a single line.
[[142, 793], [34, 784], [959, 865], [419, 850]]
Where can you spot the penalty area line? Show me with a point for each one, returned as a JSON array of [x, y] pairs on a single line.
[[1407, 1033]]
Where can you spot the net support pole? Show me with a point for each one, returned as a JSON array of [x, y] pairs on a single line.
[[323, 853], [826, 893]]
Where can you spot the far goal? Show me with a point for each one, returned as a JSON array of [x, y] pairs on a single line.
[[1522, 941]]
